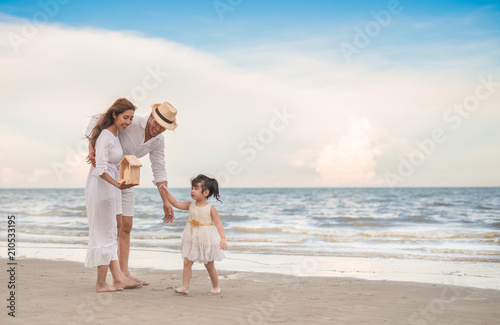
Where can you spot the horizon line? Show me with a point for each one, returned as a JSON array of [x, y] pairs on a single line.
[[268, 187]]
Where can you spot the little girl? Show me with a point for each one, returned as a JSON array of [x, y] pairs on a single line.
[[203, 238]]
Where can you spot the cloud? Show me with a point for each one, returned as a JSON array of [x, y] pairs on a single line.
[[11, 177], [14, 178], [37, 174], [351, 160], [63, 75]]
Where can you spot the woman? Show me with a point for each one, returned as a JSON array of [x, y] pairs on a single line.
[[100, 196]]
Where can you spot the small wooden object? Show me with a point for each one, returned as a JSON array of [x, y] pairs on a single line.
[[130, 170]]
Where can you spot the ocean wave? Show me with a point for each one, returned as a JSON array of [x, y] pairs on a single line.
[[484, 208], [293, 210], [443, 204], [51, 232], [262, 230], [420, 218], [155, 237], [496, 224], [65, 212], [462, 251], [375, 224], [232, 217], [435, 235], [281, 240]]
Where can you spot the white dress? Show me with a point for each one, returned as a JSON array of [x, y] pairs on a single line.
[[100, 198], [200, 241]]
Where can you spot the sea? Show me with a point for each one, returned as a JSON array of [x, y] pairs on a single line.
[[439, 235]]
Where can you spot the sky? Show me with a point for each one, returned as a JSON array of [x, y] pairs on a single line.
[[269, 93]]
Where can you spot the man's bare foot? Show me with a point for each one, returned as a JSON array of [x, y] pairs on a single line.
[[215, 291], [106, 288], [182, 290], [144, 283], [126, 283]]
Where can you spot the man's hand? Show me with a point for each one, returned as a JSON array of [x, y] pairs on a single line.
[[169, 212]]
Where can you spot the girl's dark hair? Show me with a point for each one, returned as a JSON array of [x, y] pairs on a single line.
[[119, 106], [207, 183]]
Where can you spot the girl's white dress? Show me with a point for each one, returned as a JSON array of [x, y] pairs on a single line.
[[100, 197], [200, 241]]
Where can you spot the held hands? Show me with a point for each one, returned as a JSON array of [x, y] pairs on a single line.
[[167, 208], [163, 189], [223, 244]]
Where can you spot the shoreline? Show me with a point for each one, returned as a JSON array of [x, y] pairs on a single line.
[[475, 275], [55, 292]]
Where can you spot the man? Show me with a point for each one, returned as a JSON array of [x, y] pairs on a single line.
[[143, 136]]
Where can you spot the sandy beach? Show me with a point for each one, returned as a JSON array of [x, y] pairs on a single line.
[[61, 292]]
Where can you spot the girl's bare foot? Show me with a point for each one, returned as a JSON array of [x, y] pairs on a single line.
[[106, 288], [215, 291], [182, 290], [144, 283], [126, 283]]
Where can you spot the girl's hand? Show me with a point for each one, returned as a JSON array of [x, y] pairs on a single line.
[[223, 244], [123, 186]]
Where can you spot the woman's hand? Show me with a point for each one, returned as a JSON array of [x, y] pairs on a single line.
[[90, 159], [123, 186]]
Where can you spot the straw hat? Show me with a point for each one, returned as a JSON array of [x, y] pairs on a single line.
[[164, 115]]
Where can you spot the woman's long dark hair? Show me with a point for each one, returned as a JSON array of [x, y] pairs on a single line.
[[207, 183], [119, 106]]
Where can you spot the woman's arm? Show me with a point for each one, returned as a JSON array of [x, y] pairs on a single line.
[[103, 146], [179, 205], [220, 227], [88, 132], [113, 182]]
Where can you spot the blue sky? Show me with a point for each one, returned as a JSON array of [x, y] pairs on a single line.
[[358, 116], [197, 23]]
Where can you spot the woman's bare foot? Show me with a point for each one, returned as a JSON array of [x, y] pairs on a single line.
[[182, 290], [215, 291], [144, 283], [106, 288], [126, 283]]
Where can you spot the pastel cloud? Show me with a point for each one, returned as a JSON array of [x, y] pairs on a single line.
[[350, 161]]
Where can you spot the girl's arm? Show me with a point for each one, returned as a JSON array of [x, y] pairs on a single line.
[[179, 205], [219, 226]]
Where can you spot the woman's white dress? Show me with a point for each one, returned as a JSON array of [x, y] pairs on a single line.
[[100, 197], [200, 241]]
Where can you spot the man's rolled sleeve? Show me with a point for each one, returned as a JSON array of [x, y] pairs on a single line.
[[157, 158]]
